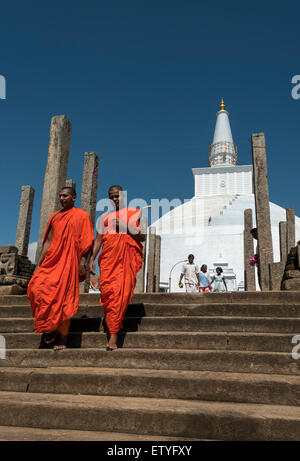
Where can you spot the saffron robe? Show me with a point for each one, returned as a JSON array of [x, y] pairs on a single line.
[[120, 260], [53, 290]]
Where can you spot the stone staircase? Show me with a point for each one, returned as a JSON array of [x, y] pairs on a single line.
[[216, 366]]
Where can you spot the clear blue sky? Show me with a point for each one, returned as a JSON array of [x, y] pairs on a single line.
[[141, 82]]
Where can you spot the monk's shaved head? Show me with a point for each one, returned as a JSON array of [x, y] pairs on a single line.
[[115, 187], [71, 190]]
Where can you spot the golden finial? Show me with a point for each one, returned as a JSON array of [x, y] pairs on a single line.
[[222, 105]]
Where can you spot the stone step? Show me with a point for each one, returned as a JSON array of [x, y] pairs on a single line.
[[172, 417], [29, 434], [270, 298], [173, 310], [204, 323], [159, 359], [268, 342], [168, 384]]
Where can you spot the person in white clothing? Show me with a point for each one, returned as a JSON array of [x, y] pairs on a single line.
[[190, 272]]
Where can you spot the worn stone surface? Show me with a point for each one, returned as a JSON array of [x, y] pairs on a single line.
[[70, 183], [11, 290], [290, 228], [282, 241], [157, 263], [276, 275], [150, 288], [292, 274], [291, 284], [249, 272], [14, 270], [56, 171], [262, 207], [140, 278], [24, 220], [90, 184], [8, 249], [14, 280], [8, 263]]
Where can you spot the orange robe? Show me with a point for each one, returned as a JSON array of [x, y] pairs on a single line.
[[53, 290], [120, 260]]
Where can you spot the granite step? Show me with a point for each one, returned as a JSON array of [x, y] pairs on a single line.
[[269, 298], [30, 434], [204, 323], [167, 384], [265, 342], [144, 416], [159, 359], [173, 310]]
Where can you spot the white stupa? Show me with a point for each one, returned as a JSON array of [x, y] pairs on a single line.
[[211, 224]]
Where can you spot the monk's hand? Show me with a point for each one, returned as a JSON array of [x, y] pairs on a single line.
[[92, 267], [82, 268]]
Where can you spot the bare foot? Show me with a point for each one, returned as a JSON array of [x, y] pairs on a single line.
[[61, 343], [50, 337], [112, 343]]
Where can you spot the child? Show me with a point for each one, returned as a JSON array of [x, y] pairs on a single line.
[[204, 280], [219, 280]]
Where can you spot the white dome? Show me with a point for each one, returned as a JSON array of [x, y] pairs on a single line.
[[211, 228]]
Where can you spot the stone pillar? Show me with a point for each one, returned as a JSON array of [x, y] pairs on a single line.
[[276, 275], [140, 278], [24, 221], [89, 191], [282, 241], [290, 229], [157, 263], [70, 183], [150, 260], [249, 271], [56, 171], [262, 208], [89, 186]]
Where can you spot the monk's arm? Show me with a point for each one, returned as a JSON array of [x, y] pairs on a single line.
[[136, 233], [83, 263], [45, 248], [96, 248]]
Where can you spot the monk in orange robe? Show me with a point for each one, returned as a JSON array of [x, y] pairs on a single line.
[[53, 290], [121, 258]]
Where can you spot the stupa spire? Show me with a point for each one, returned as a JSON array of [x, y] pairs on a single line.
[[222, 151]]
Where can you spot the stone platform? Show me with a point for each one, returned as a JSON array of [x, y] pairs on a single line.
[[216, 366]]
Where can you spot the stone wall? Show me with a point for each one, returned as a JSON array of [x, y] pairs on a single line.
[[15, 271], [291, 277]]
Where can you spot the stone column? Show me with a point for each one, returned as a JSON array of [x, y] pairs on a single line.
[[56, 171], [140, 278], [157, 263], [150, 260], [24, 221], [282, 241], [89, 191], [290, 229], [89, 186], [70, 183], [262, 208], [249, 271]]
